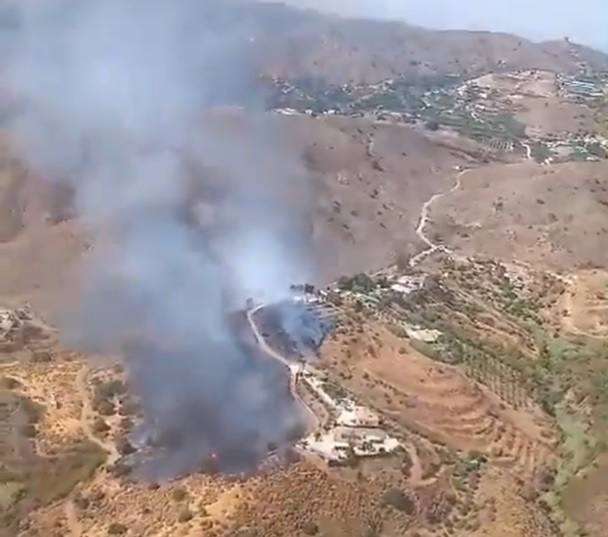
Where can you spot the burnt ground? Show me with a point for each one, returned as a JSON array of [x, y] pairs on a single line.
[[295, 330], [210, 419]]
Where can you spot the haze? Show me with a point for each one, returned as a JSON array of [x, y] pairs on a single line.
[[585, 21]]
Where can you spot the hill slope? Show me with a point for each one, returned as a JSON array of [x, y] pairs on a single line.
[[291, 43]]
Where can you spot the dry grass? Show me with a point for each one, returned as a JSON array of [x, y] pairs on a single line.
[[435, 400], [546, 215]]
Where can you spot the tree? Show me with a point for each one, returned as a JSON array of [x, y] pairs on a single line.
[[363, 283], [100, 426]]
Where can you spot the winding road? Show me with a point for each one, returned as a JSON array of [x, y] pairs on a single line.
[[293, 368], [424, 218]]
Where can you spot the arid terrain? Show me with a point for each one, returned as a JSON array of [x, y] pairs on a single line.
[[456, 202]]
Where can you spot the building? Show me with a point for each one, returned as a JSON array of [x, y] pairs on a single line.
[[357, 416]]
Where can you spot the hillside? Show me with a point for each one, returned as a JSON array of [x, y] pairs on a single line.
[[366, 186], [385, 302], [290, 43], [554, 216]]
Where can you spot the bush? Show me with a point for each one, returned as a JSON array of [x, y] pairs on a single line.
[[597, 150], [310, 528], [246, 532], [128, 408], [185, 515], [100, 426], [399, 500], [120, 469], [32, 409], [179, 494], [9, 383], [81, 502], [105, 408], [125, 447], [110, 389], [117, 529], [28, 430]]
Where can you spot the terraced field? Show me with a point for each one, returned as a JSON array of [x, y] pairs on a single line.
[[439, 401]]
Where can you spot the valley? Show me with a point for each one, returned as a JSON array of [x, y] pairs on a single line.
[[439, 371]]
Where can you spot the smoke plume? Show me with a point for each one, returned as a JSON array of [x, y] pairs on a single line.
[[193, 209]]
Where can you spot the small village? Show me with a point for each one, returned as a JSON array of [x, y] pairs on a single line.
[[485, 109], [353, 431]]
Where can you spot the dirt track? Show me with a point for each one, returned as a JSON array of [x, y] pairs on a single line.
[[293, 369], [85, 416], [424, 218]]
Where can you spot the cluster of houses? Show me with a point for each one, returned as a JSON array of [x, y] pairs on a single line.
[[12, 320], [354, 430]]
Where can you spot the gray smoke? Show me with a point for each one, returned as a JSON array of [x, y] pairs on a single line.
[[193, 210]]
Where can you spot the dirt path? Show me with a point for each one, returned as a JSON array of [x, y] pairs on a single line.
[[87, 413], [416, 471], [73, 524], [71, 519], [424, 218], [293, 368]]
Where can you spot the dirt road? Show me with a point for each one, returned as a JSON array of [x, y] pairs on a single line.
[[424, 218], [293, 368]]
